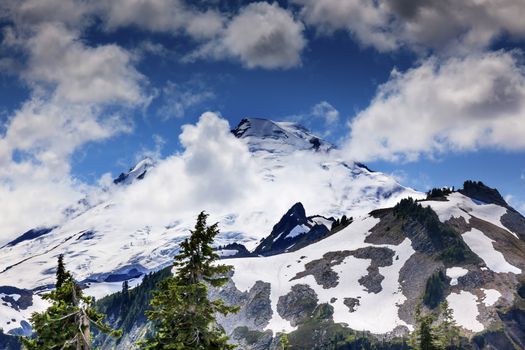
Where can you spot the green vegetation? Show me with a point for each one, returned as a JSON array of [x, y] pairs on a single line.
[[182, 314], [435, 289], [66, 324], [423, 337], [443, 238], [470, 185], [321, 332], [439, 192], [128, 308], [340, 224], [284, 343], [436, 331]]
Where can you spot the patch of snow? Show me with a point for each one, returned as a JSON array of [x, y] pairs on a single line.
[[298, 230], [465, 310], [227, 252], [322, 221], [101, 289], [8, 314], [483, 247], [454, 273], [460, 206], [14, 296], [491, 296]]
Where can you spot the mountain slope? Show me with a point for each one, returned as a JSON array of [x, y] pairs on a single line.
[[371, 274], [107, 240]]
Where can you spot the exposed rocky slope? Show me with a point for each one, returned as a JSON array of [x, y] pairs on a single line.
[[371, 274]]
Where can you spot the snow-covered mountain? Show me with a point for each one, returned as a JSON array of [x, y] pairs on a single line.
[[108, 241], [371, 266]]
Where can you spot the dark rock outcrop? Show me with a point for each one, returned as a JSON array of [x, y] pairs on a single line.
[[280, 240], [351, 303], [479, 191], [298, 304]]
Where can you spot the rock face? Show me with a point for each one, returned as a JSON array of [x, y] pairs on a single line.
[[297, 306], [293, 232], [255, 309], [477, 190], [352, 303]]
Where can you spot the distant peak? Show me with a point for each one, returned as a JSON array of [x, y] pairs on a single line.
[[136, 172], [278, 137]]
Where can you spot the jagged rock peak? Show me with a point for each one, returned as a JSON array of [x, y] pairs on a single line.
[[479, 191]]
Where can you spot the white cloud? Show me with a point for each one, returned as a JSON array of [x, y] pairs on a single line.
[[78, 94], [27, 14], [461, 104], [213, 173], [79, 73], [367, 20], [325, 111], [261, 35], [173, 16], [35, 155], [450, 26]]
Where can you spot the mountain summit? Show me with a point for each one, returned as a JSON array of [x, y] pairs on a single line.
[[267, 135]]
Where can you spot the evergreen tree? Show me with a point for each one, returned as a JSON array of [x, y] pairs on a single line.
[[61, 273], [125, 298], [182, 315], [66, 324], [448, 333], [423, 337], [284, 343]]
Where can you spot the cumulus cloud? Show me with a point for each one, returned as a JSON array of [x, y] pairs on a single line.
[[367, 20], [450, 26], [161, 16], [461, 104], [79, 73], [260, 35], [77, 94], [28, 14], [214, 172], [35, 156], [325, 111]]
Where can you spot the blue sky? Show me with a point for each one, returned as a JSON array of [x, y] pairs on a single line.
[[433, 94]]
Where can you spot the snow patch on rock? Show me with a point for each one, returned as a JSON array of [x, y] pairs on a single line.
[[454, 273], [483, 247], [465, 310]]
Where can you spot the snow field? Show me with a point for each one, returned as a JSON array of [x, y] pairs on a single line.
[[465, 310], [376, 312], [483, 247]]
